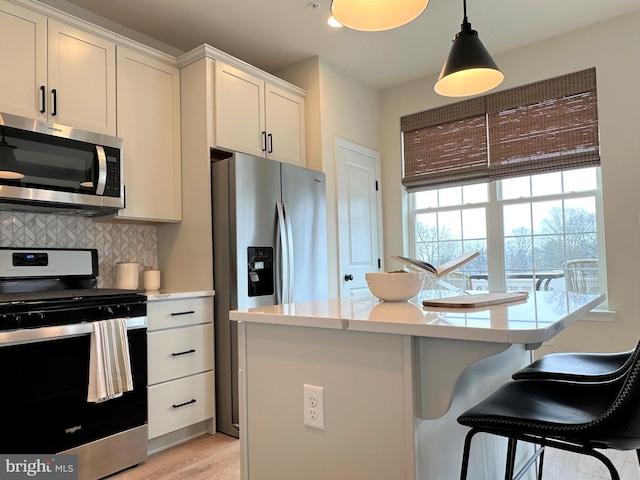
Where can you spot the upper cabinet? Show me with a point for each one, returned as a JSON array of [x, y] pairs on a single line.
[[254, 116], [56, 72], [149, 123]]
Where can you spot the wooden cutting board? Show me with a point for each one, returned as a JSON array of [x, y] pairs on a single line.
[[479, 300]]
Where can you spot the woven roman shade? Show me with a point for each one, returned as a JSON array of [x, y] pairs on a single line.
[[447, 145], [546, 126]]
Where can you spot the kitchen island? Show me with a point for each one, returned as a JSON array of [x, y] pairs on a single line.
[[394, 378]]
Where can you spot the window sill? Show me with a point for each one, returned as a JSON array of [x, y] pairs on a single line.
[[599, 316]]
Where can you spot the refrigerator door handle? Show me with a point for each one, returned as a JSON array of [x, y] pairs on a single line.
[[287, 219], [283, 237]]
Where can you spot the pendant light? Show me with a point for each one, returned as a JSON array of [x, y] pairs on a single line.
[[469, 69], [376, 15], [8, 162]]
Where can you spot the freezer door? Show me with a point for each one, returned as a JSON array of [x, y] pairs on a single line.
[[304, 200]]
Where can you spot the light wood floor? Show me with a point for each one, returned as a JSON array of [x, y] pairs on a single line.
[[210, 457], [217, 457]]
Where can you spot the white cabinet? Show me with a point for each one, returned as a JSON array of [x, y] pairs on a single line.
[[256, 117], [180, 363], [149, 121], [56, 72]]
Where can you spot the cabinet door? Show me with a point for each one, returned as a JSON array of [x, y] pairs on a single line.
[[239, 122], [285, 126], [149, 122], [82, 78], [23, 34]]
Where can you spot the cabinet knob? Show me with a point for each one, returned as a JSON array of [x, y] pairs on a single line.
[[348, 277]]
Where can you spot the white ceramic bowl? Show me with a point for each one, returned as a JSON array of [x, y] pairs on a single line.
[[395, 286]]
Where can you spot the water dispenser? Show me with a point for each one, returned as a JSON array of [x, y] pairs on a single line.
[[260, 271]]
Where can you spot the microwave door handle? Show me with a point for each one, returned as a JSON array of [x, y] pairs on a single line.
[[101, 157]]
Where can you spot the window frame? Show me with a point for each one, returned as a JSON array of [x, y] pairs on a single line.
[[495, 226]]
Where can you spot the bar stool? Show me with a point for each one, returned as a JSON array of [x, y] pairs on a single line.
[[577, 367], [573, 416]]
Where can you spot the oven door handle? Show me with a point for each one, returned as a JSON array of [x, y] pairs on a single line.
[[41, 334]]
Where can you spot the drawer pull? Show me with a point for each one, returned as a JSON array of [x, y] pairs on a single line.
[[189, 312], [184, 353], [193, 400]]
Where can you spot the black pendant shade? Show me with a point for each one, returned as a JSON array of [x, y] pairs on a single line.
[[469, 69], [8, 163]]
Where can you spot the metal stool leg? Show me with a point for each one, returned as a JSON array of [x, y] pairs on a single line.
[[465, 453], [540, 464], [511, 458]]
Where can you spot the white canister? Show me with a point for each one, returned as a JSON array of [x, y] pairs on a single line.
[[127, 275], [151, 280]]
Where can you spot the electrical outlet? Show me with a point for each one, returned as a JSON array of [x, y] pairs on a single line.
[[313, 405], [147, 258]]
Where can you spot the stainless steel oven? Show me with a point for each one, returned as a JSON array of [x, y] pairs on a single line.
[[48, 302]]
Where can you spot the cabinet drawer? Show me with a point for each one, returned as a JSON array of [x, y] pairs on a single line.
[[180, 403], [179, 313], [179, 352]]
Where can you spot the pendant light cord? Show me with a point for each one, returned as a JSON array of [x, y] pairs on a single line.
[[464, 6]]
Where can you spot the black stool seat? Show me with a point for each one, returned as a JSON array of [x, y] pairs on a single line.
[[577, 367], [568, 415]]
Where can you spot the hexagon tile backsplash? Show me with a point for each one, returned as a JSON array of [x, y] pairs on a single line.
[[115, 242]]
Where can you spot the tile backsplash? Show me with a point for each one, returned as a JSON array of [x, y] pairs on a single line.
[[115, 242]]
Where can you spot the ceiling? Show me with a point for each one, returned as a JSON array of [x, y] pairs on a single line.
[[275, 34]]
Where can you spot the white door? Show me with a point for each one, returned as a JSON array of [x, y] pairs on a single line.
[[359, 219]]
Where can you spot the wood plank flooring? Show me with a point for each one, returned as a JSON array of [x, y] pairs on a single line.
[[217, 457], [210, 457]]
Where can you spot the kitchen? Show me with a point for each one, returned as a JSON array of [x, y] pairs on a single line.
[[354, 110]]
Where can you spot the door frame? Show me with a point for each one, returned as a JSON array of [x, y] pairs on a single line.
[[344, 143]]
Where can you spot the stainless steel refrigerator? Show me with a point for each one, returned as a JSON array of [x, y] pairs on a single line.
[[269, 248]]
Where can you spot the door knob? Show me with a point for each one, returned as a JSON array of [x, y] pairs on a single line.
[[348, 277]]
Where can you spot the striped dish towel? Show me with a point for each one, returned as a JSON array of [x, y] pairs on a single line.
[[109, 363]]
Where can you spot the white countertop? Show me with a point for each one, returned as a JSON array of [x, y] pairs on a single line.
[[537, 320], [173, 294]]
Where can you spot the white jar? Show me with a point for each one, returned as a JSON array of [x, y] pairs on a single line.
[[127, 275], [151, 280]]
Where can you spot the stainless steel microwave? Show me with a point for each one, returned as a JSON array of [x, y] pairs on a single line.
[[46, 167]]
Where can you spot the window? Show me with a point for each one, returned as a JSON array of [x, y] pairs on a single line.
[[533, 232], [515, 176]]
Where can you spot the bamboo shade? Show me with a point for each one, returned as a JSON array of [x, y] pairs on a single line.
[[545, 126]]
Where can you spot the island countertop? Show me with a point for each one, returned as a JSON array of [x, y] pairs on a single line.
[[399, 368], [538, 319]]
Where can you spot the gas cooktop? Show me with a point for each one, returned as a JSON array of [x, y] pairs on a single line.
[[48, 287]]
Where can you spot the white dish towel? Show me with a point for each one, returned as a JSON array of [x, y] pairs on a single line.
[[109, 362]]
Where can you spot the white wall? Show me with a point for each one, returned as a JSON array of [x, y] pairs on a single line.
[[613, 47], [338, 105]]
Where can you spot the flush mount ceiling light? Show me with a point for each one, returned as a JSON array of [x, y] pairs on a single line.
[[376, 15], [8, 162], [469, 69]]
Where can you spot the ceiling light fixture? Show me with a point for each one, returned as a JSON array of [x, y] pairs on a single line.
[[469, 69], [376, 15], [8, 162], [332, 22]]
